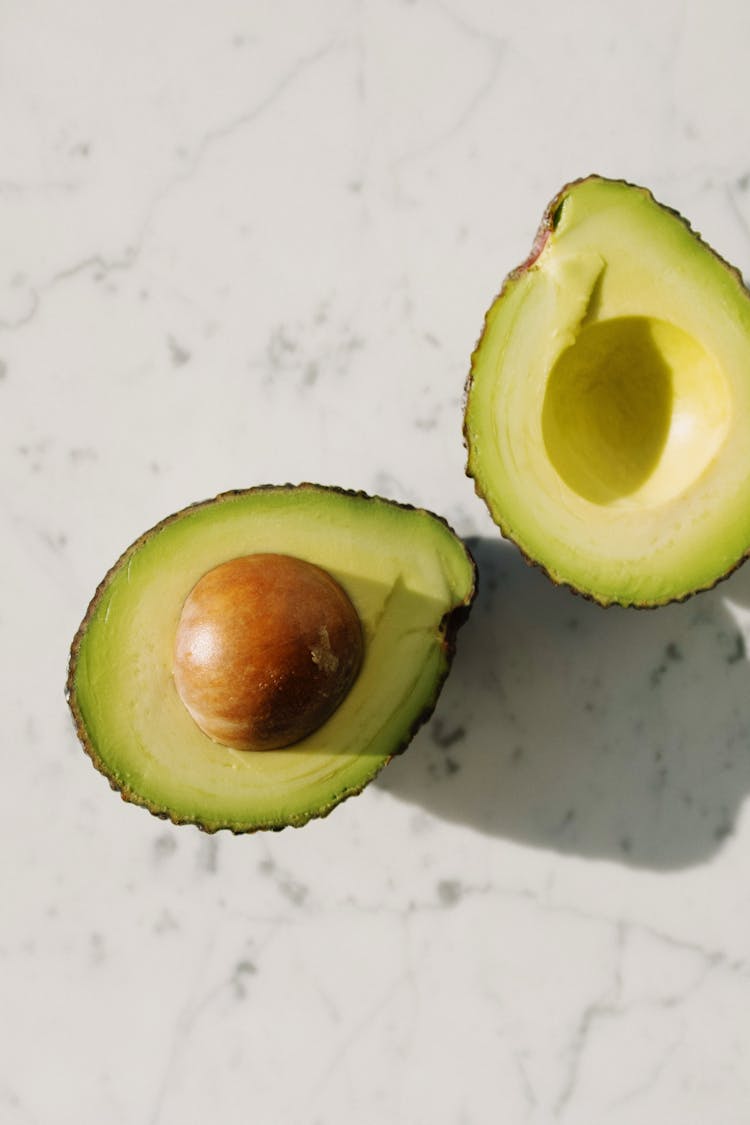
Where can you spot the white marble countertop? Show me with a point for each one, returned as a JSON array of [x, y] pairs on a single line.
[[247, 243]]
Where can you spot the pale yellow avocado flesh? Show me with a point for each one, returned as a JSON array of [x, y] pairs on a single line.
[[411, 581], [608, 407]]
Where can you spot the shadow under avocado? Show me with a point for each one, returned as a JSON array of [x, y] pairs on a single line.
[[619, 734]]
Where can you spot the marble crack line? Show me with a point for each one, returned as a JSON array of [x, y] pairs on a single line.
[[451, 894], [712, 958], [220, 133], [611, 1005], [209, 140], [184, 1022], [594, 1014], [527, 1090], [482, 91], [92, 263], [607, 1006], [465, 27], [50, 187], [650, 1079], [354, 1033]]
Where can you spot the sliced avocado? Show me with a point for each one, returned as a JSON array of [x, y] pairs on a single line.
[[410, 580], [607, 416]]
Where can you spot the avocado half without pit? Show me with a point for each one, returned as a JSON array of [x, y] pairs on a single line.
[[254, 659], [607, 414]]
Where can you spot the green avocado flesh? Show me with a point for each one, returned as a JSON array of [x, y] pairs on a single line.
[[411, 581], [608, 407]]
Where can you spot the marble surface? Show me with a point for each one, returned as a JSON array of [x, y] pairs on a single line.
[[243, 243]]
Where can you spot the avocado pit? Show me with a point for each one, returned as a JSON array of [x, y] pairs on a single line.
[[267, 647]]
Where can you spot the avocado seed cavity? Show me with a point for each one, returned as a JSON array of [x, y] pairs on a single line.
[[267, 647]]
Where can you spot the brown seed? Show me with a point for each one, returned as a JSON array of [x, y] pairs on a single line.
[[267, 647]]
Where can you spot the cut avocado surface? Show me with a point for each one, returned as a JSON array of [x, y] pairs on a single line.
[[607, 414], [408, 576]]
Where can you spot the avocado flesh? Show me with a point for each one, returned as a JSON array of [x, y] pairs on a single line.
[[411, 581], [608, 405]]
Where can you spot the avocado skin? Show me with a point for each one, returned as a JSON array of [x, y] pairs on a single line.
[[449, 627], [547, 226]]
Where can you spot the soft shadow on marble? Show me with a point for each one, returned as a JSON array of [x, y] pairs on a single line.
[[608, 733]]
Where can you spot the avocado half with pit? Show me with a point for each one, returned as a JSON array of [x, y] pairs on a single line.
[[256, 658], [607, 414]]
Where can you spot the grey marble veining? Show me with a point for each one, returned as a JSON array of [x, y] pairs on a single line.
[[256, 243]]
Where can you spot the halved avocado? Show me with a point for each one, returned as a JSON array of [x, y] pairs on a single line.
[[410, 580], [607, 415]]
